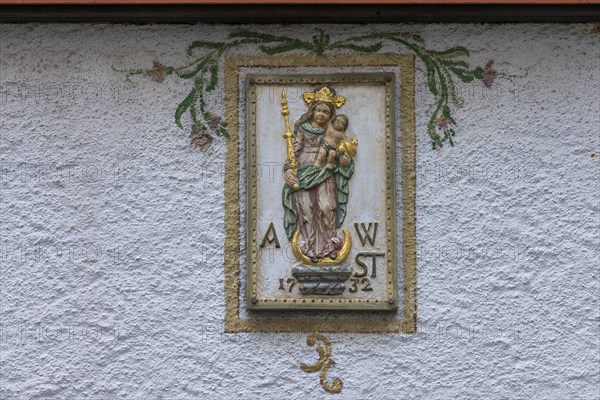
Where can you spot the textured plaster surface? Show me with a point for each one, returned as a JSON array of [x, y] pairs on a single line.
[[111, 279]]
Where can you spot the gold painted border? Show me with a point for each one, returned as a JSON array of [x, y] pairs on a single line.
[[233, 322]]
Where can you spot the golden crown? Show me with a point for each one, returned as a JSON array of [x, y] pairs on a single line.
[[324, 94]]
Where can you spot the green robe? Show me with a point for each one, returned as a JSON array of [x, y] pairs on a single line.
[[309, 177]]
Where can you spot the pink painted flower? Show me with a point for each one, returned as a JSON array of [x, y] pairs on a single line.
[[157, 73], [201, 140], [214, 122], [438, 148], [443, 122], [489, 74]]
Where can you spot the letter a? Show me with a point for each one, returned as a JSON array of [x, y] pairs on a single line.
[[367, 232], [271, 239]]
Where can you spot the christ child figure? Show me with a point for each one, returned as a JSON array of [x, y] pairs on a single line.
[[332, 139]]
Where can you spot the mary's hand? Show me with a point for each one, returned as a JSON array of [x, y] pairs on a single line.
[[345, 160], [290, 177]]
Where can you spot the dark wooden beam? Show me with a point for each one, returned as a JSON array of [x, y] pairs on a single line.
[[290, 14]]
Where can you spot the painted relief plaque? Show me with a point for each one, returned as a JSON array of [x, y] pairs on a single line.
[[321, 191]]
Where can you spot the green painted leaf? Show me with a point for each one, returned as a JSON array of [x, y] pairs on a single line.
[[458, 51], [463, 75], [446, 111], [358, 48], [317, 43], [197, 68], [204, 45], [478, 73], [184, 106], [214, 78], [452, 89], [249, 41], [431, 81], [262, 37], [410, 36], [433, 135], [130, 72], [270, 50], [222, 132]]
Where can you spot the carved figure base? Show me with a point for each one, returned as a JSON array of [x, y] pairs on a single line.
[[322, 280], [326, 288]]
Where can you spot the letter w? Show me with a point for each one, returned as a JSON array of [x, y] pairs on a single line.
[[367, 232]]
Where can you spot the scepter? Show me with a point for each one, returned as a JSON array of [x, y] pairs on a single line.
[[288, 134]]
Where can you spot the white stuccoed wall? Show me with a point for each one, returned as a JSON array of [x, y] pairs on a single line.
[[111, 281]]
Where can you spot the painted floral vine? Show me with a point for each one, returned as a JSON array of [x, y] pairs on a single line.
[[442, 68]]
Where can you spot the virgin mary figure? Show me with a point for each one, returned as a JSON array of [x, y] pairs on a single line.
[[315, 211]]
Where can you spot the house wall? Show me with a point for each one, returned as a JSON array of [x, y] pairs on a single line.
[[112, 232]]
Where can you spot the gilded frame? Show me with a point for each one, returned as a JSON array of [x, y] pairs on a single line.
[[233, 321]]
